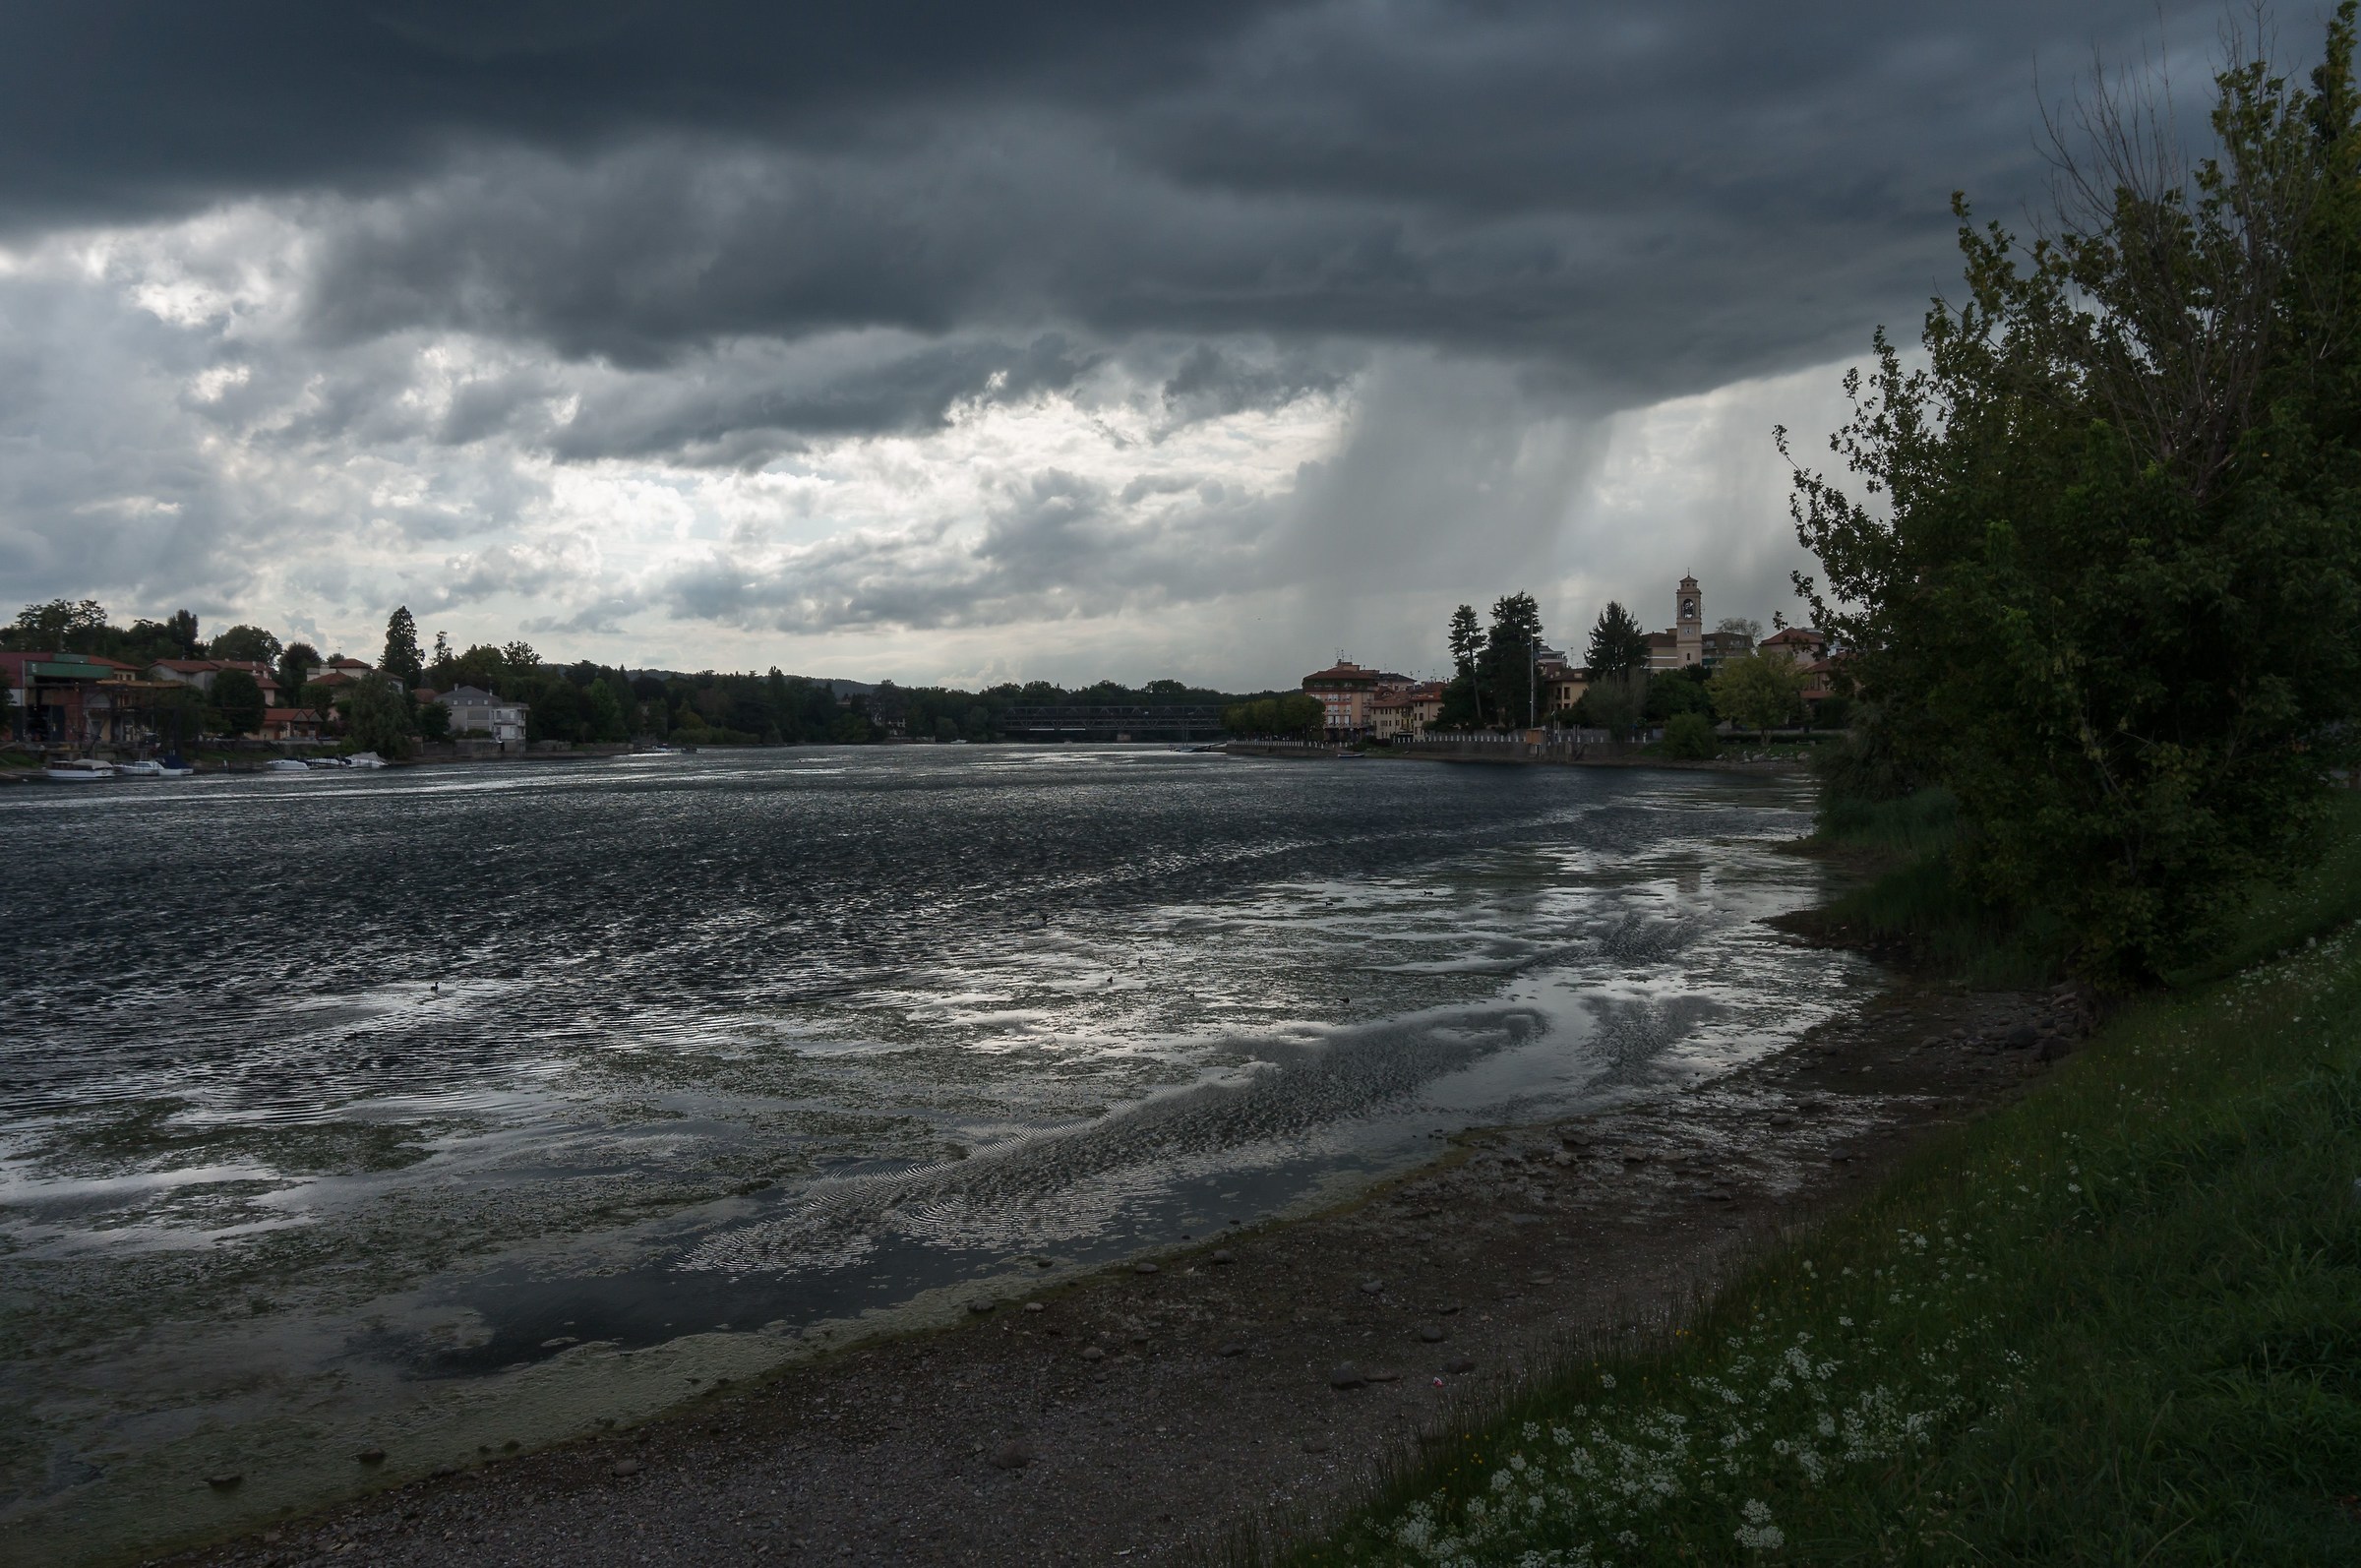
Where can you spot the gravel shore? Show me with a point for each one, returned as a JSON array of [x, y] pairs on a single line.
[[1261, 1384]]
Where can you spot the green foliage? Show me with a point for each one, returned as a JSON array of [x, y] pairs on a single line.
[[237, 698], [1292, 714], [295, 666], [400, 658], [1617, 702], [1504, 670], [605, 716], [65, 626], [61, 625], [1675, 691], [1465, 638], [1690, 736], [432, 720], [1921, 824], [2107, 585], [1462, 707], [247, 642], [1762, 691], [483, 667], [377, 718], [2111, 1323], [1617, 645], [556, 713]]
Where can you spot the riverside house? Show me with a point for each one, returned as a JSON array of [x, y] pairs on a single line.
[[477, 716], [73, 698], [1344, 692]]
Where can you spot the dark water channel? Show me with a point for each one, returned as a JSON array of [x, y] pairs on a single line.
[[440, 1107]]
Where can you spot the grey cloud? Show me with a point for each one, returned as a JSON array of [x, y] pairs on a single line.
[[710, 236], [1657, 199], [1061, 547], [749, 402]]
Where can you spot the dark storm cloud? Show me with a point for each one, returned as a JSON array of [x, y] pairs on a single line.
[[124, 109], [295, 293], [1648, 198]]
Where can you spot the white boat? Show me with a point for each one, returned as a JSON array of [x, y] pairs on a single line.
[[364, 760], [78, 770], [325, 761], [143, 768], [287, 764], [172, 765]]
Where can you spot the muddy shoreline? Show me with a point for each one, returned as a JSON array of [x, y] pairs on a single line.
[[1155, 1412]]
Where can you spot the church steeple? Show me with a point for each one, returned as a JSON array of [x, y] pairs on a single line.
[[1688, 623]]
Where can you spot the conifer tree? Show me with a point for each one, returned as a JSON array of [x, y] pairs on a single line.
[[400, 658]]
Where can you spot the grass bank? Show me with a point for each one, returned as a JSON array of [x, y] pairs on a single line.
[[2114, 1323]]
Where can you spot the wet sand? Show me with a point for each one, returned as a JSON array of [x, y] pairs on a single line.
[[1259, 1381]]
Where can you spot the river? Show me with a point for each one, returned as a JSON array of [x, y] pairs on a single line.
[[440, 1109]]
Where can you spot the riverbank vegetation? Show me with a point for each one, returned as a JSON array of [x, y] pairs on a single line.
[[2099, 598], [2111, 1323], [2100, 578]]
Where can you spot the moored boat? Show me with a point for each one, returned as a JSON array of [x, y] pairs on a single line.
[[140, 767], [76, 770], [287, 764], [364, 760]]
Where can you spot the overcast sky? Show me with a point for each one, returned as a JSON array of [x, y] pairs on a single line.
[[966, 342]]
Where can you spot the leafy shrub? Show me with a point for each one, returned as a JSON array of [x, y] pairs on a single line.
[[1691, 736]]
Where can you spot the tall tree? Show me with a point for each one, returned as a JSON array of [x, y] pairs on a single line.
[[1617, 645], [295, 665], [237, 698], [400, 658], [1463, 702], [1511, 646], [2107, 581], [182, 625]]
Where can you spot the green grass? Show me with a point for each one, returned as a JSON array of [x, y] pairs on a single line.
[[2117, 1322], [1912, 907]]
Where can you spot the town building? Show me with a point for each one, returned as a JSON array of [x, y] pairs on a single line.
[[477, 716], [1720, 645], [1562, 687], [1344, 692], [291, 724], [1426, 699], [75, 698], [1799, 643], [201, 673], [1808, 649], [1684, 643]]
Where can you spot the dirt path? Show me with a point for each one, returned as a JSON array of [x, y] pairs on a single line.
[[1137, 1415]]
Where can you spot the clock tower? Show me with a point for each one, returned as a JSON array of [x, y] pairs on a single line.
[[1688, 624]]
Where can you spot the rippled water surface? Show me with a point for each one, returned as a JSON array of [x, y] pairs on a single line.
[[420, 1107]]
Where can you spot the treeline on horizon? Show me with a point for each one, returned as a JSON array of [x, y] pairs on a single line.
[[580, 702]]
